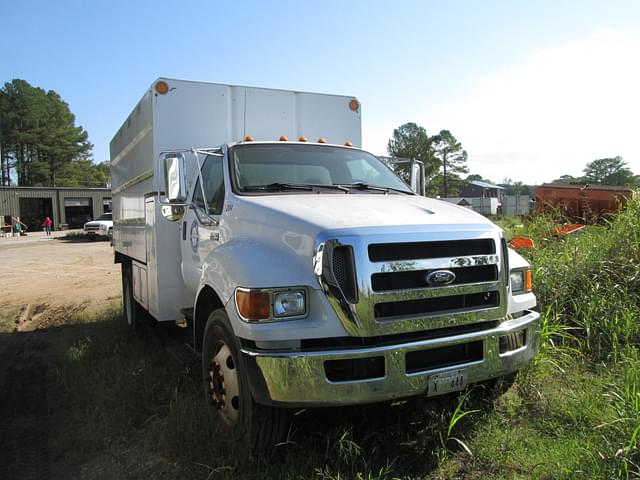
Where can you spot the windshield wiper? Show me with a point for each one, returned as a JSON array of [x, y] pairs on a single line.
[[277, 186], [366, 186], [331, 186], [294, 186]]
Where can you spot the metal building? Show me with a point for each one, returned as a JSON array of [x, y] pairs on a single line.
[[67, 207]]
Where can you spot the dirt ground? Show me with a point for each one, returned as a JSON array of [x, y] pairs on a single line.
[[44, 279]]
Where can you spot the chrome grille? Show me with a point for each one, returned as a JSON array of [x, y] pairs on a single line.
[[393, 282], [401, 288]]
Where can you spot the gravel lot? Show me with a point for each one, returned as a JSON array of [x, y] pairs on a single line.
[[45, 278]]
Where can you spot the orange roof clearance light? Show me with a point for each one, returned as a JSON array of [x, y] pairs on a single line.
[[302, 138], [253, 304], [283, 138], [322, 140], [354, 105], [248, 138], [162, 87], [348, 143]]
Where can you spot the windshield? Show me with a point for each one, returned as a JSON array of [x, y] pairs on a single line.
[[281, 167], [105, 216]]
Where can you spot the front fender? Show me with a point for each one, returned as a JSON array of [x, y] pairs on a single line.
[[251, 263], [247, 262]]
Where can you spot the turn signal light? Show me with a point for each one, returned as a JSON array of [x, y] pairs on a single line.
[[354, 105], [528, 281], [253, 304]]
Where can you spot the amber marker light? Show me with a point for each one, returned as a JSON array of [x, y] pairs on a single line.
[[253, 304], [248, 138], [162, 87], [284, 138], [354, 105], [348, 143], [322, 140], [302, 138], [528, 281]]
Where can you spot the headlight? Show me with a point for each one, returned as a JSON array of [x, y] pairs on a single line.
[[289, 304], [103, 227], [263, 305], [521, 281]]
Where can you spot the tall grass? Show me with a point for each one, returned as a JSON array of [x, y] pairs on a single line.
[[590, 281], [588, 288]]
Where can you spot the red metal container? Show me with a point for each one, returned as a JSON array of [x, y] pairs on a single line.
[[583, 201]]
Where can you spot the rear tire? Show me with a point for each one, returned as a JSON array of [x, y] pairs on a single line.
[[226, 388]]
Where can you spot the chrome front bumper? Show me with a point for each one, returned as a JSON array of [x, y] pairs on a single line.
[[299, 378]]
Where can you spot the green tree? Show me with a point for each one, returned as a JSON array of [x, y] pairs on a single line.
[[609, 171], [38, 135], [568, 180], [411, 141], [453, 161], [84, 173], [516, 188], [475, 177]]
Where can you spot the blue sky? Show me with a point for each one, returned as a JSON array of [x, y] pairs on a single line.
[[533, 90]]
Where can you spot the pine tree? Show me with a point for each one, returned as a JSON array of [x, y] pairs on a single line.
[[37, 135]]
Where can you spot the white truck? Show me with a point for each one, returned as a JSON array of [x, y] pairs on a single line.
[[102, 227], [307, 272]]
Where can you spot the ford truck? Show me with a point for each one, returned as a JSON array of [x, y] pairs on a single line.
[[306, 273]]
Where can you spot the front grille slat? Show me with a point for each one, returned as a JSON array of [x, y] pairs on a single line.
[[385, 282], [437, 305], [436, 263], [384, 252], [434, 292]]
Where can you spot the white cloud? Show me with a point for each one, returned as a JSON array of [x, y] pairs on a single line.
[[551, 114]]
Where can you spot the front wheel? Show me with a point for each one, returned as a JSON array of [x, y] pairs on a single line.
[[227, 390]]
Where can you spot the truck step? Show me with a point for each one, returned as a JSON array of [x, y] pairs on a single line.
[[188, 314], [183, 354]]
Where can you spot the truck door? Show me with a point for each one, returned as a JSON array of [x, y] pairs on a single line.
[[201, 224]]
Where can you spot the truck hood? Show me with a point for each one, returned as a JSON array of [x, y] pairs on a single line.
[[338, 211]]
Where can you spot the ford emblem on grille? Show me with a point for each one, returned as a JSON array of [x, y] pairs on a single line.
[[440, 277]]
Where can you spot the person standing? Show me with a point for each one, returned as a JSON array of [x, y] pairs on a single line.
[[17, 226], [47, 225]]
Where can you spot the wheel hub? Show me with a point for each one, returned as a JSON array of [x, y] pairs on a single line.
[[223, 385]]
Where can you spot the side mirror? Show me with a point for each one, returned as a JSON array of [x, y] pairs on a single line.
[[417, 178], [174, 179]]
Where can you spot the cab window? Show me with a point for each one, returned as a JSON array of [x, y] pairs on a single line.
[[213, 182]]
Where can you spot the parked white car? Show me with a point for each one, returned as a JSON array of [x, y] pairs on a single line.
[[102, 227]]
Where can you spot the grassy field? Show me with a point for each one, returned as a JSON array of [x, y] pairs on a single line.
[[120, 407]]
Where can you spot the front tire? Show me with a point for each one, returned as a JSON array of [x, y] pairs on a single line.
[[227, 390]]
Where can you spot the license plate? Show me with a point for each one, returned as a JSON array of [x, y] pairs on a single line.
[[442, 383]]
